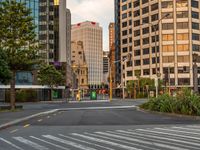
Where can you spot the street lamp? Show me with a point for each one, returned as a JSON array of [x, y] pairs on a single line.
[[156, 50]]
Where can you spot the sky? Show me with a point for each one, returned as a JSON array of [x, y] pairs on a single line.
[[101, 11]]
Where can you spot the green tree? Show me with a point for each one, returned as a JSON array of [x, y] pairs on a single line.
[[17, 40], [130, 87], [48, 75]]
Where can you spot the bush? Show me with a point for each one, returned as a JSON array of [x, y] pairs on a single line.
[[184, 103]]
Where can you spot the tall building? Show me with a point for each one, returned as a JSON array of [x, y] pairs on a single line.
[[53, 30], [162, 36], [68, 50], [91, 35], [79, 64], [106, 67], [111, 29]]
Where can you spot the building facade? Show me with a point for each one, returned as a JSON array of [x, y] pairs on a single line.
[[162, 36], [90, 33], [106, 67], [79, 64]]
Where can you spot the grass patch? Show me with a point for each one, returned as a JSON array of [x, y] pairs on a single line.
[[185, 102]]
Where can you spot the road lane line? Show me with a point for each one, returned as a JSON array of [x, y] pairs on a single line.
[[30, 143], [165, 138], [151, 137], [85, 142], [40, 120], [26, 126], [73, 144], [105, 142], [13, 131], [55, 145], [11, 144], [48, 117], [121, 141], [141, 141]]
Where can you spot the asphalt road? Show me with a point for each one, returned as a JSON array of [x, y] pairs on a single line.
[[99, 129]]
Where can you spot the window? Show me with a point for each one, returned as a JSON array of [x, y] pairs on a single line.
[[195, 37], [195, 26], [125, 49], [144, 1], [168, 59], [145, 10], [124, 7], [124, 41], [183, 59], [154, 17], [182, 14], [145, 30], [182, 47], [136, 3], [182, 25], [145, 51], [137, 33], [145, 41], [154, 7], [166, 16], [196, 48], [124, 24], [129, 73], [167, 26], [146, 61], [195, 15], [136, 13], [137, 62], [168, 48], [155, 38], [124, 15], [137, 43], [195, 4], [124, 32], [182, 36], [154, 49], [145, 20], [146, 72], [181, 3], [137, 52], [168, 37], [167, 4], [136, 23]]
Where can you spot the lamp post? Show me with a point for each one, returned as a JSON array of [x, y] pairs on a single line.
[[156, 50]]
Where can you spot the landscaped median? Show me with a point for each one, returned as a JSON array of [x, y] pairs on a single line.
[[185, 102]]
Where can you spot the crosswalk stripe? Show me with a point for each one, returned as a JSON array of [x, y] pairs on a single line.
[[105, 142], [141, 141], [173, 134], [169, 139], [11, 144], [73, 144], [55, 145], [122, 141], [194, 126], [191, 130], [30, 143], [85, 142], [155, 138], [164, 129]]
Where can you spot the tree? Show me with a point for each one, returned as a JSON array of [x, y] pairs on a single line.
[[48, 75], [130, 87], [17, 40]]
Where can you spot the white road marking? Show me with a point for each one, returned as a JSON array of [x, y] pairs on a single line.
[[11, 144], [30, 143], [85, 142], [13, 131], [105, 142], [156, 138], [164, 129], [169, 139], [73, 144], [122, 141], [184, 128], [141, 141], [55, 145]]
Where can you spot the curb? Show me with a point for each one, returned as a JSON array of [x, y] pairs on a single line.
[[169, 114], [11, 123]]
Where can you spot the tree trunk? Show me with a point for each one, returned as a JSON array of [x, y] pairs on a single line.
[[12, 91]]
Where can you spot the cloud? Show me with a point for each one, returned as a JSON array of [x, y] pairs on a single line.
[[101, 11]]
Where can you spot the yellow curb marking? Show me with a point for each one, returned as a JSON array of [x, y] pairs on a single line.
[[13, 131], [27, 125]]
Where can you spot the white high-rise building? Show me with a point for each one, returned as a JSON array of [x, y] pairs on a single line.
[[91, 35]]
